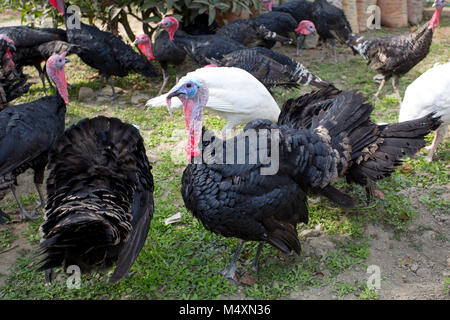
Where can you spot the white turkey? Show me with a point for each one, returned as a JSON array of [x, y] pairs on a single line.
[[234, 94], [429, 93]]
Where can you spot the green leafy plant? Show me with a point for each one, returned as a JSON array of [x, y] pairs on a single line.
[[111, 13]]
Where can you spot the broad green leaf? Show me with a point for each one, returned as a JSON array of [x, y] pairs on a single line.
[[203, 2], [169, 4], [211, 15]]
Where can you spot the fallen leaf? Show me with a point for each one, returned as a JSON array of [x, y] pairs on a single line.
[[248, 280], [246, 255], [405, 262], [406, 168], [173, 219], [92, 76], [379, 194]]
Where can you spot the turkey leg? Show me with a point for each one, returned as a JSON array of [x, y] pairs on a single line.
[[99, 92], [3, 95], [333, 46], [230, 272], [440, 133], [38, 181], [42, 76], [258, 253], [228, 127], [383, 82], [300, 42], [3, 217], [23, 213], [114, 94], [395, 83], [165, 77]]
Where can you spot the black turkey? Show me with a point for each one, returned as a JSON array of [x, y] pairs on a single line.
[[331, 23], [251, 33], [28, 132], [202, 47], [104, 51], [299, 9], [99, 198], [13, 83], [164, 51], [34, 46], [382, 150], [254, 186], [271, 68], [280, 22]]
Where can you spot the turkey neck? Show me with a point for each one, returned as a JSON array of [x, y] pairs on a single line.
[[360, 44], [434, 22], [56, 104]]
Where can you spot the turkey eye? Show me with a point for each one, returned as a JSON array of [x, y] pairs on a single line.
[[189, 85]]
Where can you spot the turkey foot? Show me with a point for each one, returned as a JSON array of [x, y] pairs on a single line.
[[230, 272], [3, 217], [41, 200], [23, 213], [50, 275], [254, 265]]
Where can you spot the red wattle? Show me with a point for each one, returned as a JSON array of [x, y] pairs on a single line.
[[61, 84], [434, 22], [146, 50]]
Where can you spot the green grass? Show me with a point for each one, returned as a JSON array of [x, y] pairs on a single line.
[[178, 260], [446, 289], [6, 239]]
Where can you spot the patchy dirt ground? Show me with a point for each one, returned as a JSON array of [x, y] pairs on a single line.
[[412, 266]]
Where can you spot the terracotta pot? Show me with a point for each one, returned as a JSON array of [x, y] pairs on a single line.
[[224, 17], [415, 11], [394, 13], [349, 8]]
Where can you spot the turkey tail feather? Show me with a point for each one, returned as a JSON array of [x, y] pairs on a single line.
[[395, 141], [100, 197]]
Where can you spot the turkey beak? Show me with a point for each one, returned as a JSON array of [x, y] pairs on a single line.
[[176, 93], [66, 60]]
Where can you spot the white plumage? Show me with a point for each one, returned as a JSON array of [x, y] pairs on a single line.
[[234, 94], [429, 93]]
